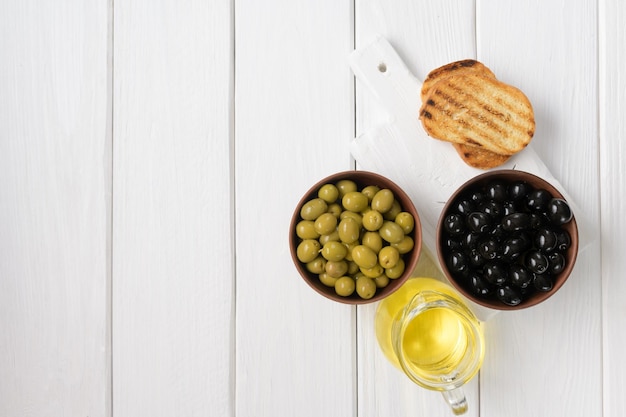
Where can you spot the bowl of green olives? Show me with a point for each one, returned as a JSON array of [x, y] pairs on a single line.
[[507, 239], [355, 237]]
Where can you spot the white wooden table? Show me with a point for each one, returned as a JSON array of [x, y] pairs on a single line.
[[152, 152]]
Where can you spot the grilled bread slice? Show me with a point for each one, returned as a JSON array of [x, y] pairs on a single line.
[[473, 156], [465, 66], [477, 110]]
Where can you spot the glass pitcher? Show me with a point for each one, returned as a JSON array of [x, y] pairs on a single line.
[[426, 331]]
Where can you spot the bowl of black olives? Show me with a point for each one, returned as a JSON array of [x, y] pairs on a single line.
[[355, 237], [507, 239]]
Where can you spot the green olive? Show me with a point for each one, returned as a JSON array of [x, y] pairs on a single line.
[[325, 224], [373, 241], [348, 230], [344, 286], [305, 229], [370, 191], [353, 268], [345, 186], [405, 245], [307, 250], [334, 251], [391, 232], [381, 281], [358, 275], [372, 220], [349, 247], [406, 221], [354, 201], [396, 271], [374, 271], [393, 211], [356, 216], [328, 192], [364, 256], [383, 200], [313, 208], [388, 257], [336, 269], [331, 237], [335, 209], [327, 279], [317, 265], [365, 287]]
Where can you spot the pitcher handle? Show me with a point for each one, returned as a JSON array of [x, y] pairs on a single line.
[[456, 399]]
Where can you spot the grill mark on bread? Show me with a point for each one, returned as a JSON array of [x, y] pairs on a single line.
[[480, 137], [512, 106], [508, 107], [484, 130], [511, 114]]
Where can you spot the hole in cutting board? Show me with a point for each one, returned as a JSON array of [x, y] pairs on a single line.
[[382, 67]]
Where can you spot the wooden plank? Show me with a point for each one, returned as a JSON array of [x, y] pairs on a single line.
[[547, 360], [425, 35], [54, 209], [295, 350], [612, 37], [173, 256]]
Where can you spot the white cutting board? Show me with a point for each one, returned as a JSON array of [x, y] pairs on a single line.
[[429, 170]]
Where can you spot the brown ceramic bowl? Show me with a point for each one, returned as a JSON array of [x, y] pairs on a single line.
[[362, 179], [462, 285]]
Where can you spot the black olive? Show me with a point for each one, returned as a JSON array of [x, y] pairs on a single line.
[[488, 248], [513, 247], [538, 220], [520, 276], [508, 295], [496, 191], [458, 264], [556, 263], [518, 190], [479, 286], [478, 222], [495, 273], [453, 223], [451, 243], [536, 262], [545, 240], [542, 282], [509, 207], [516, 221], [470, 240], [477, 197], [563, 240], [464, 207], [493, 209], [475, 258], [538, 200], [559, 211]]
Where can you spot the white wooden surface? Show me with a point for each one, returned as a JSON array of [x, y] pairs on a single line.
[[151, 154], [54, 209]]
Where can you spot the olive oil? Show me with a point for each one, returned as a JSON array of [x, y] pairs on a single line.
[[436, 344]]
